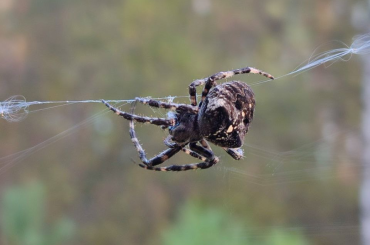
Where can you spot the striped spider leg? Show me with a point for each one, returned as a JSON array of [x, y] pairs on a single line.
[[222, 117], [202, 153]]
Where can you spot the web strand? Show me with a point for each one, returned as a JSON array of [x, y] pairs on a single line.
[[16, 108]]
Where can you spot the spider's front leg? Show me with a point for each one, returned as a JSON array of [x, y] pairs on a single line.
[[129, 116], [160, 158], [167, 105]]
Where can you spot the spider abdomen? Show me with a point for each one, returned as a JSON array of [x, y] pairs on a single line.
[[226, 113]]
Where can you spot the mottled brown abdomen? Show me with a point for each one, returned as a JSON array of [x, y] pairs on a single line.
[[226, 113]]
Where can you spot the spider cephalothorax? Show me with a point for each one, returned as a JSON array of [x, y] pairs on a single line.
[[222, 117], [185, 128]]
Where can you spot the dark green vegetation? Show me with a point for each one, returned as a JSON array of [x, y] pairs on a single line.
[[23, 219], [298, 183], [217, 227]]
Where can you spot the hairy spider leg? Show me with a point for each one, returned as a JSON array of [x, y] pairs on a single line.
[[193, 90], [156, 121], [158, 159], [193, 166], [210, 81], [192, 153], [207, 156], [203, 153], [201, 150], [168, 106], [165, 155], [170, 144], [236, 153]]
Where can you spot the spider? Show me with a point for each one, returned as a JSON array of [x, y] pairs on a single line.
[[222, 117]]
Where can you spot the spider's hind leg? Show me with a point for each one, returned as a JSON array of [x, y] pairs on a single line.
[[209, 82]]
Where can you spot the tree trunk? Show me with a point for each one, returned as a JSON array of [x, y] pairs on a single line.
[[365, 186]]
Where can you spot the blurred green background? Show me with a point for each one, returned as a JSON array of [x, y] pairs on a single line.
[[298, 183]]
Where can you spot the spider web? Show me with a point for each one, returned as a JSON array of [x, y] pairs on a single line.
[[263, 168], [16, 109]]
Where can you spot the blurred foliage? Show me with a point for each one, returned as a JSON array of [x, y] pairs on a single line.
[[280, 236], [302, 163], [23, 218], [198, 225]]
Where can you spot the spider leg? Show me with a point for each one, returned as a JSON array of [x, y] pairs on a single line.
[[193, 90], [158, 159], [165, 155], [129, 116], [194, 154], [201, 165], [205, 144], [170, 144], [207, 157], [208, 153], [169, 106], [211, 81], [236, 153], [200, 152]]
